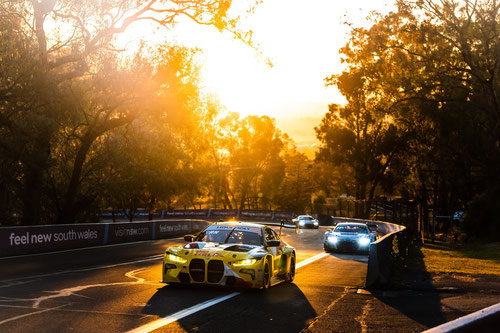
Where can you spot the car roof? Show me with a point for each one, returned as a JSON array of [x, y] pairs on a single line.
[[350, 223], [240, 224]]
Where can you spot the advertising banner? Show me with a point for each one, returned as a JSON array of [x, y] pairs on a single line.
[[256, 214], [283, 215], [166, 229], [37, 239], [124, 232], [187, 213], [197, 226], [223, 213]]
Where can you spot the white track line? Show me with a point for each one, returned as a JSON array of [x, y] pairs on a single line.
[[310, 260], [16, 281], [156, 324], [30, 314], [181, 314]]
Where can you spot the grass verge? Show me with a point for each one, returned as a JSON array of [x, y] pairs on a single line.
[[477, 259]]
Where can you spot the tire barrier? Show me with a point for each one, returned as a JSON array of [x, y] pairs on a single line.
[[47, 238]]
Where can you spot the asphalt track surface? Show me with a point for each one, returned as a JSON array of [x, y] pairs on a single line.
[[117, 289]]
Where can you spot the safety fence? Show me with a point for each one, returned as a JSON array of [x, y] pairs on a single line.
[[45, 238]]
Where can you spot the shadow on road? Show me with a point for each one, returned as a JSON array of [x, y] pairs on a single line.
[[363, 258], [412, 292], [282, 306]]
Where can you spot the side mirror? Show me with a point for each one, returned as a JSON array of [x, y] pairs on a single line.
[[189, 238], [330, 230], [273, 243]]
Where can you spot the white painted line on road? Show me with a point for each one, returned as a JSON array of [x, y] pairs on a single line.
[[30, 314], [310, 260], [181, 314], [16, 281], [156, 324]]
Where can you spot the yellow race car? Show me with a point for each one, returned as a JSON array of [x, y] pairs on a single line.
[[236, 254]]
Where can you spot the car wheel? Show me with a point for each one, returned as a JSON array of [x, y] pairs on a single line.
[[266, 278], [291, 273]]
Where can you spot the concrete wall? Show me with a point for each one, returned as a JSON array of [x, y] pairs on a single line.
[[381, 251]]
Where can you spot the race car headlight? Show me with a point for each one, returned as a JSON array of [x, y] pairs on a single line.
[[173, 257], [301, 223], [333, 239], [315, 223], [245, 262], [363, 241]]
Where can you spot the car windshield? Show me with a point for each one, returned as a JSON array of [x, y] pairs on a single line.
[[305, 218], [231, 235], [360, 229]]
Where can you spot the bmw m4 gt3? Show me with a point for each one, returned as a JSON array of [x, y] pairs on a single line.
[[231, 254]]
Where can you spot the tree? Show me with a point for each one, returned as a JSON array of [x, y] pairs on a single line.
[[432, 69], [47, 47]]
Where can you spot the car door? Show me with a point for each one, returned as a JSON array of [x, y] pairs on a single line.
[[273, 250]]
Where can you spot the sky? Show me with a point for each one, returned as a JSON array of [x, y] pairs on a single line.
[[301, 38]]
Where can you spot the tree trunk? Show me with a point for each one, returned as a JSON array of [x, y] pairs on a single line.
[[68, 210]]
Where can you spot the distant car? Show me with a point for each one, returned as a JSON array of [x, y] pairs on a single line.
[[306, 221], [231, 254], [349, 237]]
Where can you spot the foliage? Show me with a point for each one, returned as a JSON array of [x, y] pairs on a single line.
[[423, 111], [66, 91]]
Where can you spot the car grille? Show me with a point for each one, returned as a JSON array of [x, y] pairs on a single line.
[[197, 270], [215, 271]]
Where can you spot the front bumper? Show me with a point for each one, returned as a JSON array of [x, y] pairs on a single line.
[[201, 271], [347, 245], [309, 226]]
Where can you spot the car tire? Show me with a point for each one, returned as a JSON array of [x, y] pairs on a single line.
[[266, 276], [291, 272]]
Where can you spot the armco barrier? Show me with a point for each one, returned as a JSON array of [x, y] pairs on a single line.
[[379, 258], [45, 238]]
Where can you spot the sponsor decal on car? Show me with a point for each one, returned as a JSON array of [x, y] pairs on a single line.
[[207, 254]]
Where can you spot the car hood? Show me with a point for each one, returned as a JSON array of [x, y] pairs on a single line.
[[222, 251]]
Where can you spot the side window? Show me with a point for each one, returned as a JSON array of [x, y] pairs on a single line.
[[269, 234]]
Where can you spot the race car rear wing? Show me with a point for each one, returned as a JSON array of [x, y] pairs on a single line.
[[281, 224]]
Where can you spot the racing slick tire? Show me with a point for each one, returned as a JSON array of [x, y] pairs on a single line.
[[266, 276], [291, 273]]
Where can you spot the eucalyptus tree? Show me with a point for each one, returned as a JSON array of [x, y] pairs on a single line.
[[47, 47], [429, 71]]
